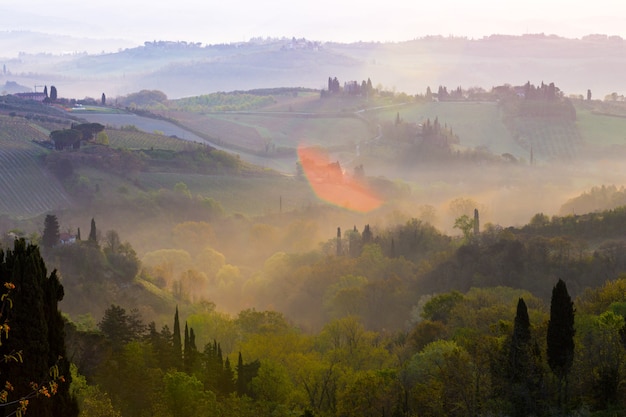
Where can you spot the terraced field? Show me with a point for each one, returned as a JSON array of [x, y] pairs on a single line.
[[26, 188]]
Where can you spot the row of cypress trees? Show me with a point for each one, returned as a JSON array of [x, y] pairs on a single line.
[[526, 388]]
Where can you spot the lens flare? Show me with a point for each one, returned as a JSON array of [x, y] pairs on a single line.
[[332, 185]]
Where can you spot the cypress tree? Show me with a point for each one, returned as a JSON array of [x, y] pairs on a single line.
[[36, 330], [560, 337], [187, 350], [92, 232], [178, 346], [339, 249], [241, 384], [519, 363]]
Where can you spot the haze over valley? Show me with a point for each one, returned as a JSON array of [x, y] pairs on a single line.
[[291, 227]]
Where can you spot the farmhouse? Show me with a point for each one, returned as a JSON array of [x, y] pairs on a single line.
[[66, 238], [32, 96]]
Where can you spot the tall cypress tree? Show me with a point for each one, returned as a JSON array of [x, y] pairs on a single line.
[[178, 346], [519, 363], [187, 351], [37, 330], [560, 337], [93, 236]]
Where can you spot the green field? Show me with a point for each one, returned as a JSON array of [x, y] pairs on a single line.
[[142, 140], [27, 189], [601, 130], [478, 124]]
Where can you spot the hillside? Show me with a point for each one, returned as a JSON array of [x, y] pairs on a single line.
[[183, 69], [28, 189]]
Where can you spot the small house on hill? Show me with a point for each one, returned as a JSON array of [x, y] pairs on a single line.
[[32, 96], [66, 238]]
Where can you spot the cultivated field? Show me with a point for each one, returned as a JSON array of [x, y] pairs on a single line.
[[27, 189], [142, 140]]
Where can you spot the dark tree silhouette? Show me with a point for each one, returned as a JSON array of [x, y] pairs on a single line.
[[560, 337], [177, 342], [53, 93], [37, 331], [103, 101], [93, 235], [519, 362], [51, 234]]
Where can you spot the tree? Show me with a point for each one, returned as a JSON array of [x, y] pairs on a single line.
[[522, 369], [53, 93], [65, 138], [121, 328], [465, 225], [45, 90], [178, 344], [560, 337], [50, 235], [588, 95], [103, 100], [36, 340], [93, 234]]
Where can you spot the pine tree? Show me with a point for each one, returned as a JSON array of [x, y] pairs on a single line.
[[50, 231], [53, 93], [103, 100], [45, 91], [560, 337]]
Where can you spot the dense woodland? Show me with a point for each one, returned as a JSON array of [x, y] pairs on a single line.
[[483, 342]]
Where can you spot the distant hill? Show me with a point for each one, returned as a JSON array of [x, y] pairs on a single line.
[[187, 69]]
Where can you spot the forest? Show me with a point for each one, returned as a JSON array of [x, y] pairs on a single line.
[[498, 332]]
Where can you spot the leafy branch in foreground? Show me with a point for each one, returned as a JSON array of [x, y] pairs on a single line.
[[32, 346]]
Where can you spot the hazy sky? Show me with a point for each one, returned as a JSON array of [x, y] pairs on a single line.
[[341, 20]]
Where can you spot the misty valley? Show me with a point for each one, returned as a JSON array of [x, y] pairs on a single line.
[[330, 231]]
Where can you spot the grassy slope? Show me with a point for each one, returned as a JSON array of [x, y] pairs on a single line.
[[476, 123]]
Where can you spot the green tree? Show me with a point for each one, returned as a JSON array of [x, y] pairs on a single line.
[[177, 341], [560, 337], [50, 235], [523, 371], [121, 328], [36, 337], [465, 225]]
